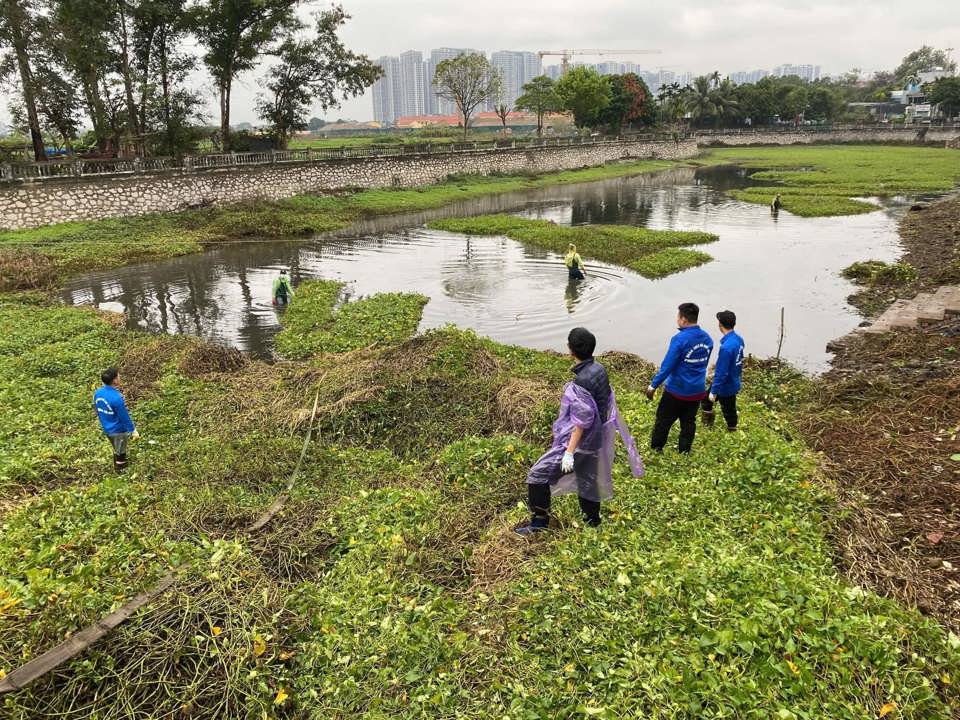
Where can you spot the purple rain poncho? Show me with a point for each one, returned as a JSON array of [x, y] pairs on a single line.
[[593, 460]]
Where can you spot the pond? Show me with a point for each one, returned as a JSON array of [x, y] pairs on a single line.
[[517, 294]]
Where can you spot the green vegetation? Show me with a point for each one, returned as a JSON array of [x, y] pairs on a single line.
[[880, 283], [391, 584], [652, 253], [312, 324], [821, 180], [32, 258]]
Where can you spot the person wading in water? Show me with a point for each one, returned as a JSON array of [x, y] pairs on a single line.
[[574, 263], [282, 291]]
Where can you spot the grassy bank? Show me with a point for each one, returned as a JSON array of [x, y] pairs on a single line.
[[44, 256], [652, 253], [825, 180], [314, 324], [391, 585]]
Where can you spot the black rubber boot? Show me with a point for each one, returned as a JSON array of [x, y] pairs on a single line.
[[119, 463], [708, 418], [591, 511]]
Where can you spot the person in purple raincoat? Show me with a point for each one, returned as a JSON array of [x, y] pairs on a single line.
[[580, 459]]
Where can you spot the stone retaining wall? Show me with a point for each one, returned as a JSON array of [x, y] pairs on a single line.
[[48, 202], [939, 136]]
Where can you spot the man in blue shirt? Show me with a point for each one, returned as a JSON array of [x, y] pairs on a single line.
[[114, 418], [683, 374], [726, 376]]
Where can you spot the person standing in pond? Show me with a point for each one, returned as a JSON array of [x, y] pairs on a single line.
[[683, 374], [776, 204], [580, 458], [282, 290], [114, 418], [726, 376], [574, 263]]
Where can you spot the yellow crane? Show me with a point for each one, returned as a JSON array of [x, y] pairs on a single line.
[[565, 55]]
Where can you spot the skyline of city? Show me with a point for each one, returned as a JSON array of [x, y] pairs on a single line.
[[406, 88]]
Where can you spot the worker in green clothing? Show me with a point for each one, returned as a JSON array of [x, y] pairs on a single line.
[[574, 263], [282, 290]]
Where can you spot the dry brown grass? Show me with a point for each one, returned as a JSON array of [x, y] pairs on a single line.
[[24, 269]]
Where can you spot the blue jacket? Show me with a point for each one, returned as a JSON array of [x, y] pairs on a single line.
[[685, 366], [726, 376], [112, 411]]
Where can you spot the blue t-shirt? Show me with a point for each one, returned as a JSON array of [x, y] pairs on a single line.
[[112, 411]]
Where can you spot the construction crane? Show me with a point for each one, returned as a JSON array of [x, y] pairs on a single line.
[[565, 55]]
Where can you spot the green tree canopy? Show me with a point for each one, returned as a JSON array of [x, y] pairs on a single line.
[[923, 59], [584, 93], [539, 97], [945, 92], [235, 34], [630, 102], [318, 71]]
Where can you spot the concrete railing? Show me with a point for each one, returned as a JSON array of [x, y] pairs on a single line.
[[84, 168]]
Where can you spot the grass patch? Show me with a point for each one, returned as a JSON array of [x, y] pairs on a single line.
[[652, 253], [42, 257], [823, 180], [312, 325]]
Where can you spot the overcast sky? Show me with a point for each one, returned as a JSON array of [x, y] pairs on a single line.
[[695, 35]]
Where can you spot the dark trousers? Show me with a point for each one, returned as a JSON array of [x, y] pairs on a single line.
[[538, 500], [728, 405], [669, 411]]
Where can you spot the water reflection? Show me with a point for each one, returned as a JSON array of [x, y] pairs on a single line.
[[522, 295]]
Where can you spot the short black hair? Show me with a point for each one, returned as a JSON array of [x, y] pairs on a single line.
[[581, 343], [727, 319], [109, 375], [689, 311]]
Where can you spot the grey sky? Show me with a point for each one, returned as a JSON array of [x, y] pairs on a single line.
[[695, 35]]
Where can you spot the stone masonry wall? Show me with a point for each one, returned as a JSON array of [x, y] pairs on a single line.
[[940, 136], [47, 202]]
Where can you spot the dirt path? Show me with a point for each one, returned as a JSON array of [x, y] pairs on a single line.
[[887, 420]]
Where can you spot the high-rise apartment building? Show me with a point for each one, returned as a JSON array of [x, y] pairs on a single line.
[[385, 91], [517, 69], [413, 83]]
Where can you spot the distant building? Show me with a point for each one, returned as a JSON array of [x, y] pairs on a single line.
[[384, 105], [413, 83], [517, 69]]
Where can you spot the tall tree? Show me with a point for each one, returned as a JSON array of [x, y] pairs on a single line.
[[317, 71], [15, 21], [539, 97], [236, 33], [467, 80], [945, 92], [84, 29], [699, 101], [584, 93], [923, 59], [630, 102]]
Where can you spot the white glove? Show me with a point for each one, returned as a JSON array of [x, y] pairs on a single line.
[[713, 398], [567, 463], [134, 435]]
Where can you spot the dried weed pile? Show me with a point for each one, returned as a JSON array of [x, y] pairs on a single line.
[[887, 419]]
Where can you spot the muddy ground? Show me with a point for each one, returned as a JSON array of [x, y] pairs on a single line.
[[886, 419]]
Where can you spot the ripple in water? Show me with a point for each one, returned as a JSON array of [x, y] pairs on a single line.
[[521, 295]]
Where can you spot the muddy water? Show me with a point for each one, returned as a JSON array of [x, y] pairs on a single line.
[[521, 295]]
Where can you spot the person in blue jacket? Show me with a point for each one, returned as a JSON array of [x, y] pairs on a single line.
[[683, 374], [114, 418], [726, 376]]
